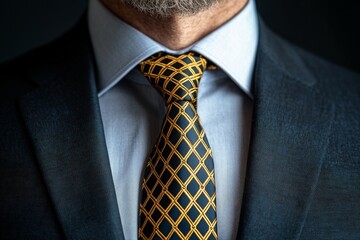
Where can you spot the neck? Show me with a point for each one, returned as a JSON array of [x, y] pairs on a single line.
[[178, 31]]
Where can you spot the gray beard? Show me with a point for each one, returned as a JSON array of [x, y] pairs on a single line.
[[165, 8]]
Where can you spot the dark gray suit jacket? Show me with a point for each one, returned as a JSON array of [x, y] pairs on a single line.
[[303, 175]]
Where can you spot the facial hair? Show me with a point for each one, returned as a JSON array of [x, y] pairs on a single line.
[[165, 8]]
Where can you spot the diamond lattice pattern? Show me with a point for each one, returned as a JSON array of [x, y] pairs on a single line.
[[178, 190]]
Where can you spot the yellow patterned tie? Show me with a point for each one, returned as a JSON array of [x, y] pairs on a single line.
[[178, 189]]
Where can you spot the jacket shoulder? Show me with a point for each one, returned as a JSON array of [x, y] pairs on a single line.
[[335, 83], [38, 63]]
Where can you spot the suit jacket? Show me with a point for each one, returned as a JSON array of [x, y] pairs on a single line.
[[303, 175]]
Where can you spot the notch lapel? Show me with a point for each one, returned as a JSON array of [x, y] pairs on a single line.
[[64, 124], [289, 137]]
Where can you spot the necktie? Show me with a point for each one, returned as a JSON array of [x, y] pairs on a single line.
[[178, 189]]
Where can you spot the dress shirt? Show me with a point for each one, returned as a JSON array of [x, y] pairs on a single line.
[[132, 110]]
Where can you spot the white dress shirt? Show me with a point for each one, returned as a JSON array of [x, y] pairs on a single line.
[[132, 110]]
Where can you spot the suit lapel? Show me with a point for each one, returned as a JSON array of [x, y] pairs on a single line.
[[289, 137], [64, 124]]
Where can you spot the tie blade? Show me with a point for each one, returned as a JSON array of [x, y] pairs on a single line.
[[178, 190]]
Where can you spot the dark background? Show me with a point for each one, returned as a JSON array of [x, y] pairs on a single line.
[[327, 28]]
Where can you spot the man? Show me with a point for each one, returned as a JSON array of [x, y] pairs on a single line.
[[79, 119]]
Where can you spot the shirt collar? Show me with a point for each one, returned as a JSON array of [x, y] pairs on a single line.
[[119, 48]]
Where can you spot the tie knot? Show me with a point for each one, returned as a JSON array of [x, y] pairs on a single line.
[[176, 77]]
